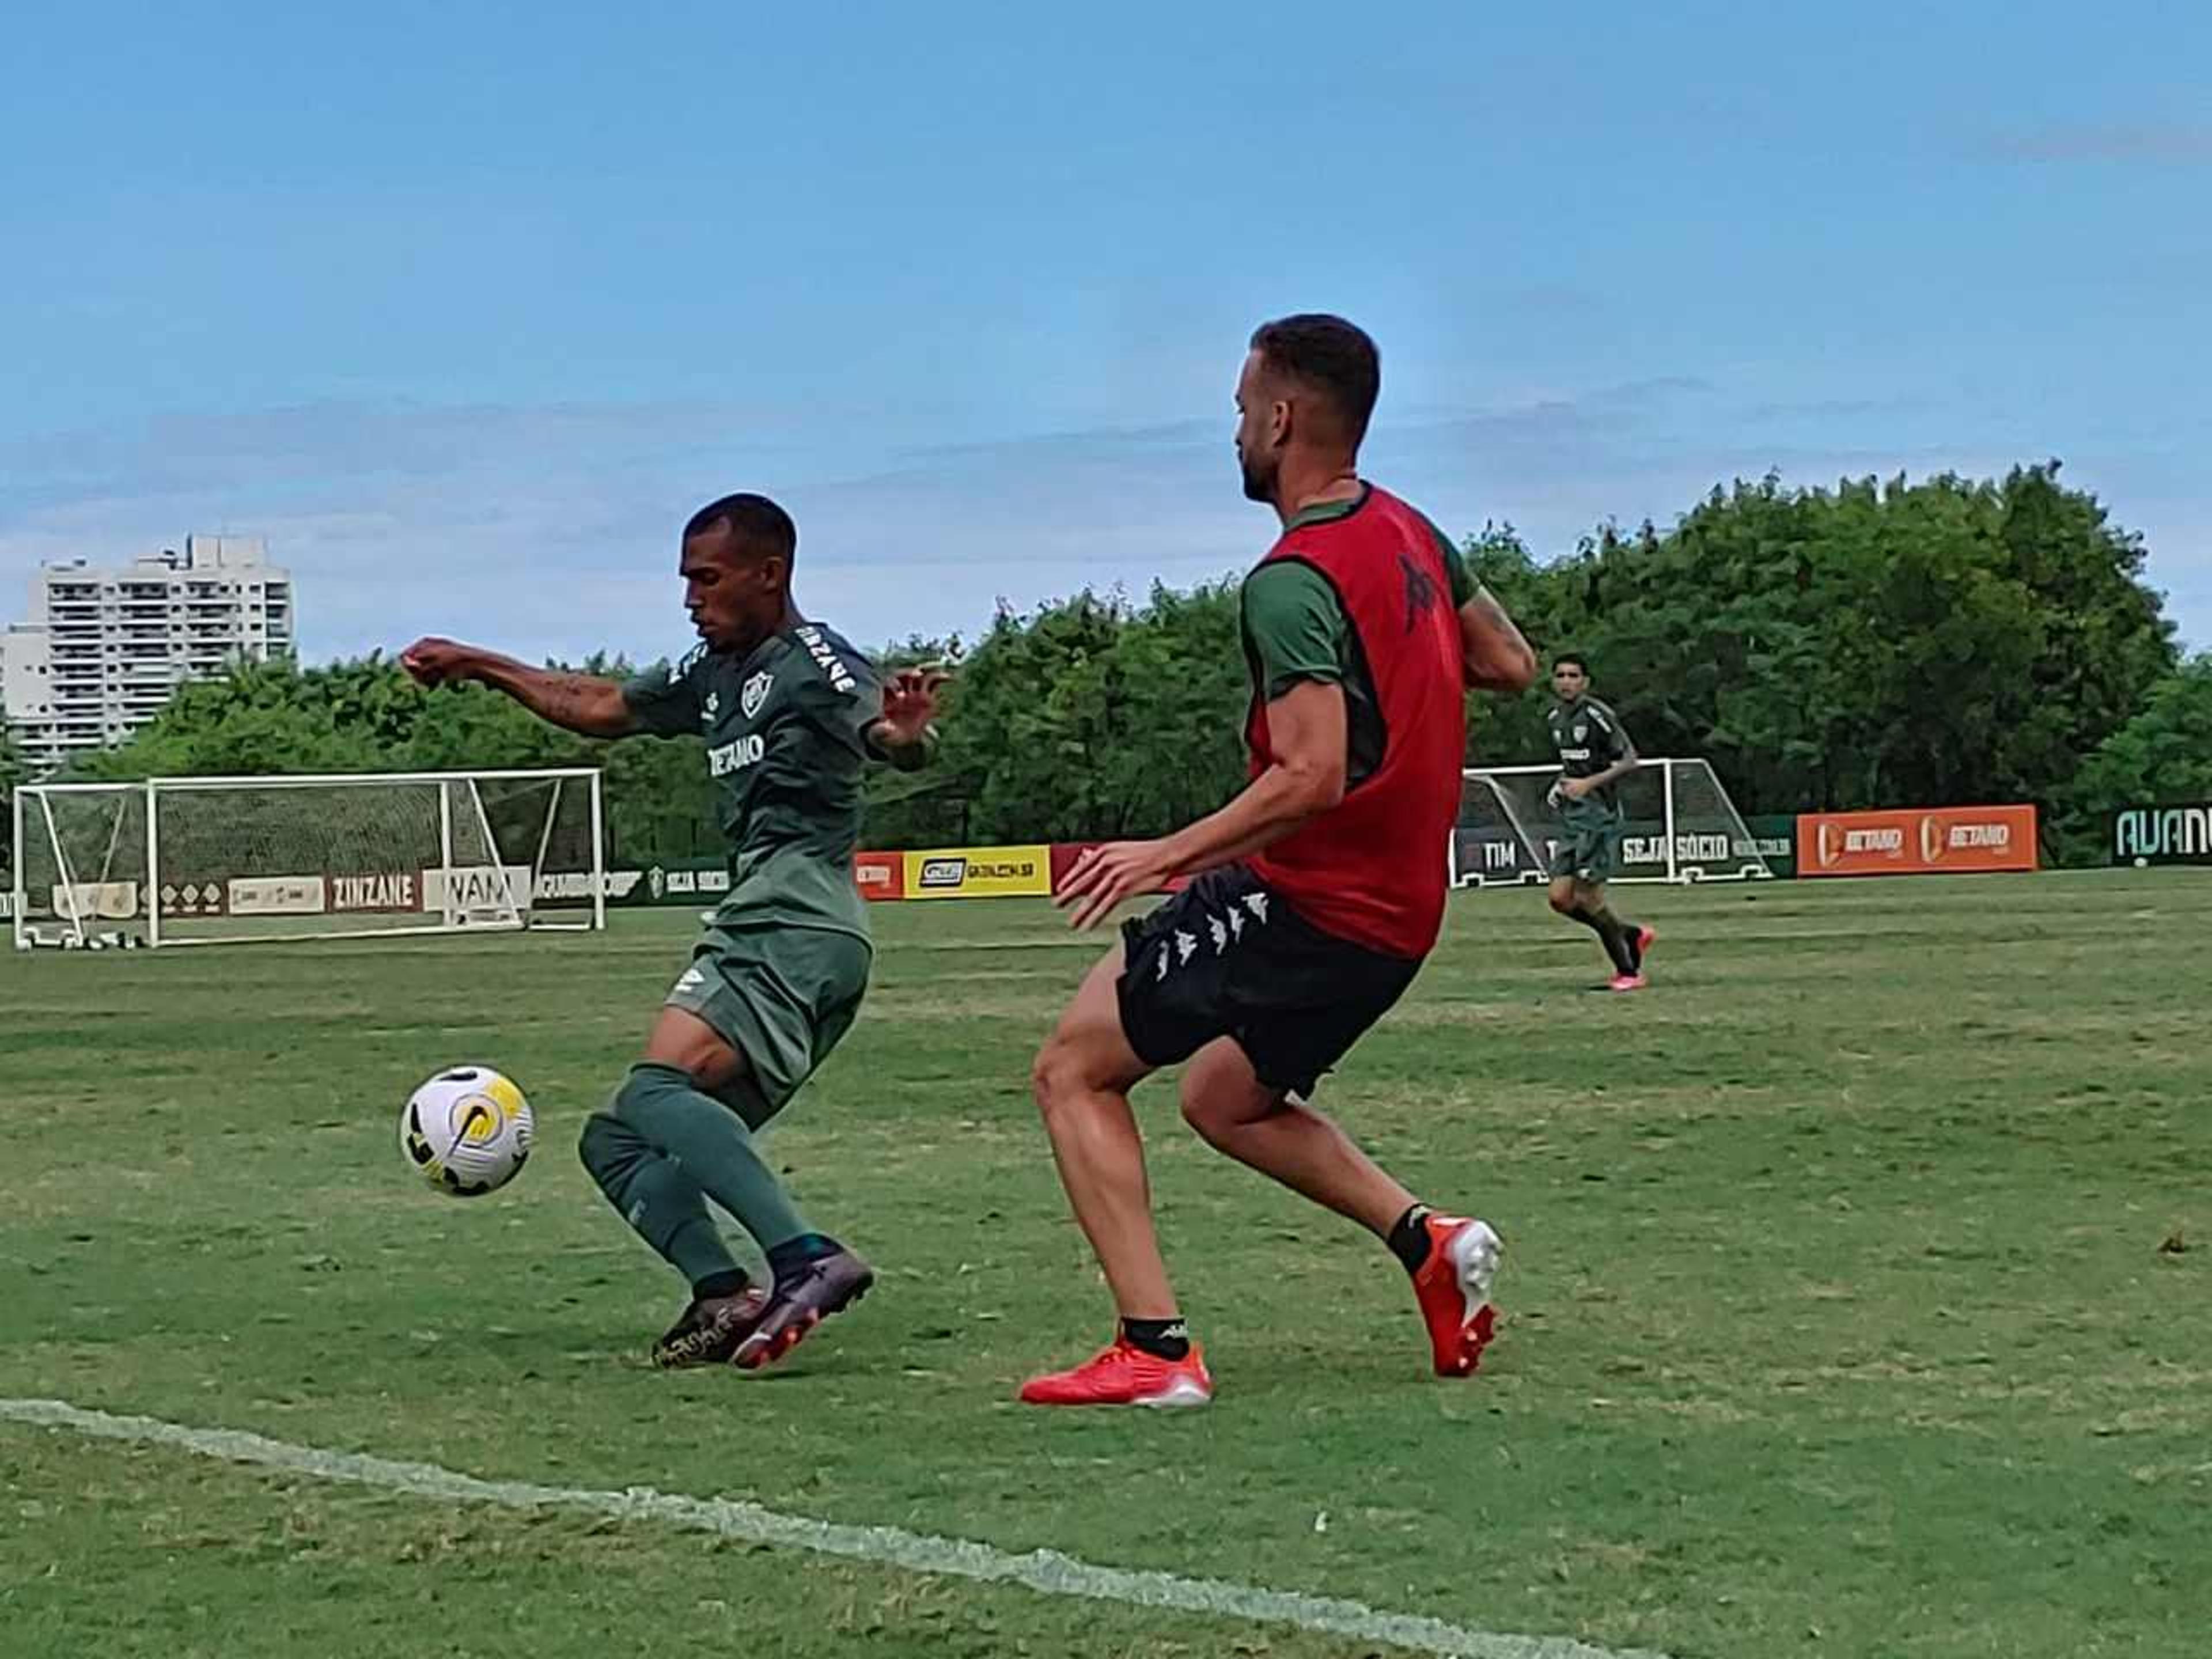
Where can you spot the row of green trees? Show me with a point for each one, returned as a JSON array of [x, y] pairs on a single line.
[[1948, 642]]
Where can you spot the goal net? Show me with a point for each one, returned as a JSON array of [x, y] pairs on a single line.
[[213, 861], [1681, 826]]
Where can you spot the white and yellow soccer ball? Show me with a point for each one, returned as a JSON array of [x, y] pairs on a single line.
[[467, 1131]]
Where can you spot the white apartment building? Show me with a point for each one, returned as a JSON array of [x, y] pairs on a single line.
[[104, 648]]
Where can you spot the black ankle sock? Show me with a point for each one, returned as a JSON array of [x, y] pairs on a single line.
[[1619, 944], [795, 1253], [1163, 1339], [716, 1285], [1408, 1239]]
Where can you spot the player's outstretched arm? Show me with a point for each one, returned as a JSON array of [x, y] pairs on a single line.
[[1306, 734], [580, 703], [1493, 656]]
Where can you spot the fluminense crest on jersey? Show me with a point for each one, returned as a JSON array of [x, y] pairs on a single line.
[[755, 694]]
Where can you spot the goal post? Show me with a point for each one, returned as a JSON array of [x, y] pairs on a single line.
[[210, 860], [79, 852], [1680, 826]]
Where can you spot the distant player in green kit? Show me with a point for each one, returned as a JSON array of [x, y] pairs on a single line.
[[1595, 754], [791, 712]]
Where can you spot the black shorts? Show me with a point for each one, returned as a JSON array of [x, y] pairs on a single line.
[[1226, 957]]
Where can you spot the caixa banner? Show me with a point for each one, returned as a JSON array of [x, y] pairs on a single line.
[[2162, 835], [1917, 841], [978, 872]]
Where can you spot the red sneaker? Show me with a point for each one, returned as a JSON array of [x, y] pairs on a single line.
[[1119, 1375], [1453, 1288], [1625, 982], [1646, 937]]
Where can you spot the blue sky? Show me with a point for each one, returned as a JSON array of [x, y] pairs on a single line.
[[465, 307]]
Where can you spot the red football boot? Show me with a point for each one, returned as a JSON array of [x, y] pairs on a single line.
[[1453, 1287], [1119, 1375]]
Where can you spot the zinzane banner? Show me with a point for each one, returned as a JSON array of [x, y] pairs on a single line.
[[1917, 841]]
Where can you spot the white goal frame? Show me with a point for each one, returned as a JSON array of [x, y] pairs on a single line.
[[1683, 859], [84, 922]]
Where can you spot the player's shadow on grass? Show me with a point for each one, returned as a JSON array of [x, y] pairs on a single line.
[[570, 1348]]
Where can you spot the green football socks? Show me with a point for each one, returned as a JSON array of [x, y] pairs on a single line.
[[662, 1148]]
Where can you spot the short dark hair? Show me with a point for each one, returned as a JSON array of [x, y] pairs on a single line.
[[1574, 657], [754, 521], [1329, 354]]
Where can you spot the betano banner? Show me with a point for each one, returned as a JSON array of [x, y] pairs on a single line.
[[1917, 840], [880, 875], [2162, 835], [979, 873]]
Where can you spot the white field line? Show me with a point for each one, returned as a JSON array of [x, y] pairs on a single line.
[[1047, 1571]]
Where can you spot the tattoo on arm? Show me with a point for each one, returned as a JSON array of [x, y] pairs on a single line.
[[565, 697], [1517, 668], [579, 702], [1487, 607]]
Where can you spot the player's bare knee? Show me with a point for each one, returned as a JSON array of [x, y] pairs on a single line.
[[1218, 1110], [1213, 1121], [1563, 900], [1201, 1115], [1055, 1078]]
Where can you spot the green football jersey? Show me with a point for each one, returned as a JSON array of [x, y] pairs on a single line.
[[1587, 736], [787, 733]]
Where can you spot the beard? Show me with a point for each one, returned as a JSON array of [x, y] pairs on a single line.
[[1260, 477]]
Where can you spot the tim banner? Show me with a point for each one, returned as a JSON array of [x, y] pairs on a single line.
[[1917, 841], [979, 873], [2162, 835]]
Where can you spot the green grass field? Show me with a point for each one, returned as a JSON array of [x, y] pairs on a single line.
[[1858, 1301]]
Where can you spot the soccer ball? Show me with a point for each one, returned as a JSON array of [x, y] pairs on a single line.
[[467, 1131]]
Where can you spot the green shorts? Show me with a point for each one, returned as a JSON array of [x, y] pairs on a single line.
[[782, 996], [1589, 847]]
